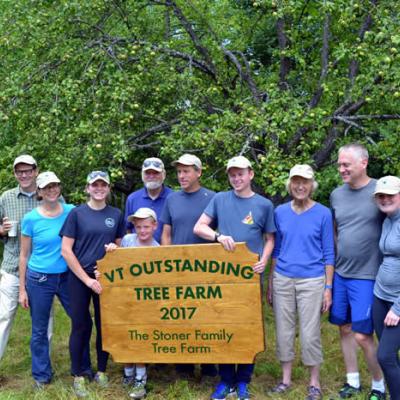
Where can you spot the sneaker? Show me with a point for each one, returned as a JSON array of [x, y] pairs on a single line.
[[280, 388], [128, 380], [314, 393], [376, 395], [242, 391], [38, 385], [101, 379], [80, 387], [138, 390], [348, 391], [222, 391]]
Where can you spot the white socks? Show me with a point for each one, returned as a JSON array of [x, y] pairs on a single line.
[[141, 374], [353, 379], [378, 385]]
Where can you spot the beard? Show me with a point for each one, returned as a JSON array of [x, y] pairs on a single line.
[[153, 185]]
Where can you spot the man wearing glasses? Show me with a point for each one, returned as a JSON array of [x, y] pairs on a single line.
[[152, 195], [14, 204]]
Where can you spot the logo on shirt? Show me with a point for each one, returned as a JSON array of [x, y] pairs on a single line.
[[248, 219], [110, 222]]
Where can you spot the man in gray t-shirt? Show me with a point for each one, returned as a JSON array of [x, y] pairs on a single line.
[[181, 211], [358, 225]]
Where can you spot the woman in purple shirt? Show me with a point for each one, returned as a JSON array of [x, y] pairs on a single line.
[[301, 276]]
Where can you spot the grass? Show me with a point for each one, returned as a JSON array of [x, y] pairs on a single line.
[[17, 382]]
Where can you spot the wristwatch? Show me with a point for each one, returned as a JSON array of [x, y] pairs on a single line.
[[217, 235]]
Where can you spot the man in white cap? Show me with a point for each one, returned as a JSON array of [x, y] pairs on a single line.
[[152, 195], [358, 224], [242, 216], [181, 212], [14, 204]]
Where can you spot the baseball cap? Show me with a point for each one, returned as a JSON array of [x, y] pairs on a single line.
[[45, 178], [303, 170], [98, 175], [25, 159], [238, 162], [188, 159], [153, 163], [143, 213], [388, 185]]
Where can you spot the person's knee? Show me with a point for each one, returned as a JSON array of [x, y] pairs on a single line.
[[363, 340], [386, 358], [345, 330]]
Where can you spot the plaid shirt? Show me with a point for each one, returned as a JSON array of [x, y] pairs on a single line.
[[14, 204]]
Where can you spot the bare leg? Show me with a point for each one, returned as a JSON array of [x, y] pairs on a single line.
[[314, 376], [287, 372], [349, 348], [368, 346]]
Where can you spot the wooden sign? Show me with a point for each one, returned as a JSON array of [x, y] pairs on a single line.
[[181, 304]]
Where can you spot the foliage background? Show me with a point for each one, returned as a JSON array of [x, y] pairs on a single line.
[[105, 83]]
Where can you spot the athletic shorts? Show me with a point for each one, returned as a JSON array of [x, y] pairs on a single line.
[[352, 303]]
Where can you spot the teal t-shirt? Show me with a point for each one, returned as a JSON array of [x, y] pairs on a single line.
[[46, 241]]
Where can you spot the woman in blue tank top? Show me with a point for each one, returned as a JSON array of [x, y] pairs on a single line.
[[42, 270]]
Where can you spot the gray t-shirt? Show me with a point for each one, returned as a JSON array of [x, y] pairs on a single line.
[[358, 223], [182, 210], [246, 219], [387, 285]]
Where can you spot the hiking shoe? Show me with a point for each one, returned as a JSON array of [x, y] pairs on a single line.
[[80, 387], [128, 380], [223, 391], [376, 395], [138, 390], [314, 393], [348, 391], [101, 379], [242, 391], [280, 388]]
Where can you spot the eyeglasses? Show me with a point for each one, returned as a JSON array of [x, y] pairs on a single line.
[[22, 172], [153, 163]]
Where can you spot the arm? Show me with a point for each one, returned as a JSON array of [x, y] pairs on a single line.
[[75, 266], [203, 229], [327, 300], [166, 236], [259, 266], [26, 245]]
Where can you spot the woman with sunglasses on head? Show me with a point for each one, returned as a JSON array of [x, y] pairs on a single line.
[[86, 233], [386, 306], [42, 270]]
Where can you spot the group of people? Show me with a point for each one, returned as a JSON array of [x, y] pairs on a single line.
[[338, 260]]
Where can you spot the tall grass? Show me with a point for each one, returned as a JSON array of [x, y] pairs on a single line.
[[16, 381]]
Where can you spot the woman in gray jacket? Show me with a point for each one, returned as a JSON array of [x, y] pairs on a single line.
[[386, 308]]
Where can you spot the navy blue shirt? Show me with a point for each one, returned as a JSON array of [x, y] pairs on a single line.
[[92, 229], [140, 198], [182, 210]]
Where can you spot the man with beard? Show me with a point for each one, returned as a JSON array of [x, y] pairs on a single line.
[[153, 195]]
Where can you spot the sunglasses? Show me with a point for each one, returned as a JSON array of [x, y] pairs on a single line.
[[151, 163]]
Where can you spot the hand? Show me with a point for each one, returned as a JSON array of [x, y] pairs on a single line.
[[391, 319], [110, 247], [327, 300], [23, 299], [94, 285], [97, 273], [259, 267], [227, 242], [6, 225]]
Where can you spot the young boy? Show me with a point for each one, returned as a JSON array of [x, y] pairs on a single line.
[[145, 223], [242, 216]]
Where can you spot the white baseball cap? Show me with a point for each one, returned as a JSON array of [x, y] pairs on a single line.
[[143, 213], [25, 159], [45, 178], [303, 170], [388, 185], [238, 162], [188, 159]]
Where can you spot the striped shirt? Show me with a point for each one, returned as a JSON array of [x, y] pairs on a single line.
[[14, 204]]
